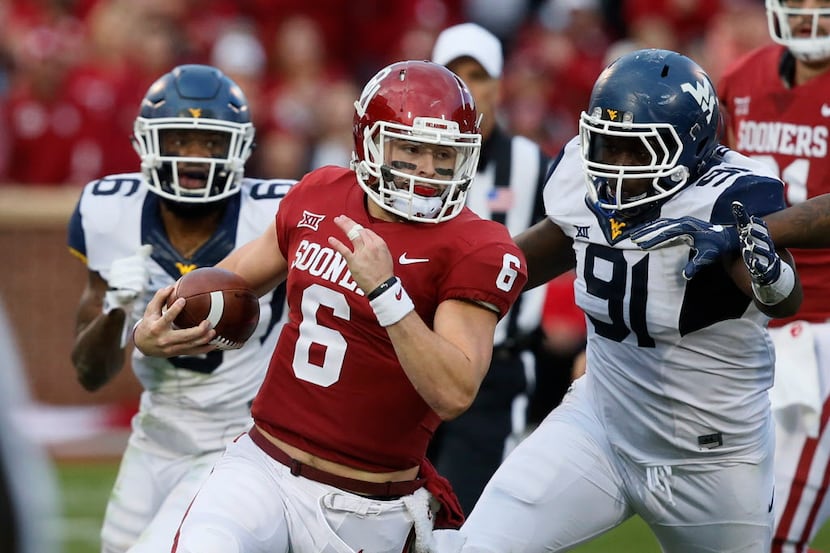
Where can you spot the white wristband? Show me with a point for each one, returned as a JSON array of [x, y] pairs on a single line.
[[392, 305], [777, 291]]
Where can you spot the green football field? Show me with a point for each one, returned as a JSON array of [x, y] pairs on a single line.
[[85, 487]]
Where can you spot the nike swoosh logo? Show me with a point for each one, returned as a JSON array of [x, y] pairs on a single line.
[[403, 260], [825, 110]]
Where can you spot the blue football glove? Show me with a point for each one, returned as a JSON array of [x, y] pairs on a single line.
[[757, 248], [709, 241]]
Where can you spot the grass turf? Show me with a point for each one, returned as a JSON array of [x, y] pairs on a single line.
[[85, 488]]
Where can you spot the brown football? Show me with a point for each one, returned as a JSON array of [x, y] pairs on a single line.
[[223, 298]]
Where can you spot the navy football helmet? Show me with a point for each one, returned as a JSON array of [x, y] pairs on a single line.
[[651, 126], [194, 98]]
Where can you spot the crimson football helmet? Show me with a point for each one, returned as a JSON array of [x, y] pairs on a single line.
[[810, 42], [419, 102], [661, 108], [194, 98]]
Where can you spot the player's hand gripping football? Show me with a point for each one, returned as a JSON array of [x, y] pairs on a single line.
[[128, 278], [155, 334], [709, 241]]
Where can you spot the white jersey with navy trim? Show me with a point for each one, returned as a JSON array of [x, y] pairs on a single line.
[[189, 404], [680, 369]]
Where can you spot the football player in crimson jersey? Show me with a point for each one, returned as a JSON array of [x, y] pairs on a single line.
[[671, 420], [139, 232], [778, 102], [394, 292]]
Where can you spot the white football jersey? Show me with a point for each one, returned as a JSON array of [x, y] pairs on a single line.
[[680, 369], [189, 404]]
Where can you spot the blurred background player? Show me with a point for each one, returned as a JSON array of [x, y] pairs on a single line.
[[394, 290], [778, 104], [508, 189], [138, 232]]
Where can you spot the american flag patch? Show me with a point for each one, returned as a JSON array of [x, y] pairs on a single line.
[[500, 200]]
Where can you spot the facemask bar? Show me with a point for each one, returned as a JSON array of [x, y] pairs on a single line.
[[662, 170], [812, 48], [378, 178], [224, 174]]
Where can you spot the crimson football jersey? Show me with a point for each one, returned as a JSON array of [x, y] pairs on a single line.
[[335, 387], [786, 128]]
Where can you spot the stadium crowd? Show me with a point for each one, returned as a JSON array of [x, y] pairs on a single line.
[[72, 71]]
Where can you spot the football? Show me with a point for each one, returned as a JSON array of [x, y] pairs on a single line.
[[223, 298]]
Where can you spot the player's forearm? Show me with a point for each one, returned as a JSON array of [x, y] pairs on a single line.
[[804, 225], [446, 375], [97, 354], [259, 262], [548, 252], [436, 369]]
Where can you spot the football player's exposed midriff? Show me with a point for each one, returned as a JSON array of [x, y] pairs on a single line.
[[338, 469]]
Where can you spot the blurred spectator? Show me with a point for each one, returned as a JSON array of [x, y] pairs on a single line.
[[240, 54], [335, 137], [5, 50], [157, 44], [573, 49], [556, 60], [676, 23], [112, 49], [739, 27], [384, 32], [299, 75], [101, 84], [283, 154], [47, 140], [76, 82], [502, 18]]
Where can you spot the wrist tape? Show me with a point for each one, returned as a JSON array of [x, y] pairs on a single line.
[[777, 291], [392, 304]]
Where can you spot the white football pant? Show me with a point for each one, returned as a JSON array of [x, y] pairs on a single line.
[[253, 504], [565, 484]]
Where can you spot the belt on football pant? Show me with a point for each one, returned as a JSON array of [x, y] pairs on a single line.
[[362, 487]]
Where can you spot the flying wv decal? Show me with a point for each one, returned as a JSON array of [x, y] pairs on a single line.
[[613, 229], [704, 95], [185, 268]]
